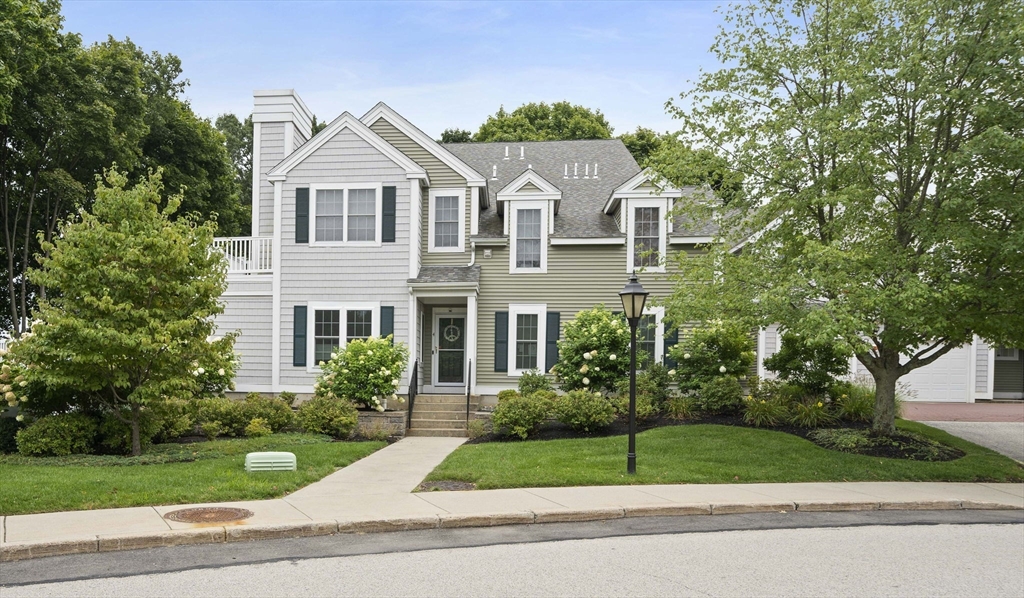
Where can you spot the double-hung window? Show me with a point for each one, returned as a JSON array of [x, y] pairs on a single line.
[[447, 220], [344, 214], [529, 237], [527, 332], [334, 325], [647, 238], [650, 335]]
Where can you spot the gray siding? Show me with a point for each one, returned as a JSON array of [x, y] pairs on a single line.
[[441, 176], [250, 285], [578, 278], [252, 318], [1009, 375], [271, 152], [343, 274], [981, 367]]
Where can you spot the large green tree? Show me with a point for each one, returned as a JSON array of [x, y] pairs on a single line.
[[544, 122], [238, 141], [136, 295], [66, 113], [881, 144]]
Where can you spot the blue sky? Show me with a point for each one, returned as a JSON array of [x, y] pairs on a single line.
[[440, 64]]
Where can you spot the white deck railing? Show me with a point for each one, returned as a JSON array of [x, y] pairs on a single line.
[[247, 255]]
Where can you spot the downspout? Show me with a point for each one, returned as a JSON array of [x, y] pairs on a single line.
[[472, 253]]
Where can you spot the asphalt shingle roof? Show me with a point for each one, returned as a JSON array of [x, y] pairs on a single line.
[[453, 274], [580, 212]]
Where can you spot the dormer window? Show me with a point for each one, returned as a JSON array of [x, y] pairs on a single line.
[[528, 237], [646, 229]]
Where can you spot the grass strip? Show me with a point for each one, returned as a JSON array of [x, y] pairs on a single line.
[[216, 474], [709, 454]]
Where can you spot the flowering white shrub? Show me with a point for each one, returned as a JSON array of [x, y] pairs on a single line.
[[13, 379], [366, 372], [588, 355]]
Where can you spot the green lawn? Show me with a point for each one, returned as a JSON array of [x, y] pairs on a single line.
[[217, 474], [707, 454]]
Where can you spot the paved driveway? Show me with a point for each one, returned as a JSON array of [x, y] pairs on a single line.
[[1003, 437]]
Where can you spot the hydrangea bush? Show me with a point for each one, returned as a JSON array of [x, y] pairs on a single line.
[[594, 354], [366, 372], [13, 378], [712, 351]]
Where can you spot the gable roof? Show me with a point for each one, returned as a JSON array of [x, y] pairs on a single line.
[[382, 110], [583, 194], [544, 188], [633, 188], [346, 121]]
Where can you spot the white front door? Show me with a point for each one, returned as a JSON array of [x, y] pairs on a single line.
[[449, 347]]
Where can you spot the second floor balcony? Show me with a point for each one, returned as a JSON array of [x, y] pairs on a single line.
[[247, 255]]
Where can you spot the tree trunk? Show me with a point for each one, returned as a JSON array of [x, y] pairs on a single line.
[[884, 423], [136, 431]]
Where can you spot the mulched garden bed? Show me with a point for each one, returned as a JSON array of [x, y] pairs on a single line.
[[848, 437]]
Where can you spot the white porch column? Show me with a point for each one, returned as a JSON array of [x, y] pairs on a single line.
[[413, 327], [275, 342], [471, 323]]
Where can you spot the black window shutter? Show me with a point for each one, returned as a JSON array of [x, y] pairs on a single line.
[[302, 215], [299, 337], [670, 341], [551, 341], [501, 341], [388, 211], [387, 321]]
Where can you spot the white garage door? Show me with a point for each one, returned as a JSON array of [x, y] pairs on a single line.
[[944, 380]]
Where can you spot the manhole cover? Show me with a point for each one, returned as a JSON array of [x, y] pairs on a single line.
[[208, 515]]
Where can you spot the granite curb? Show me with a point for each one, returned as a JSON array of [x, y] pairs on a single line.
[[13, 551]]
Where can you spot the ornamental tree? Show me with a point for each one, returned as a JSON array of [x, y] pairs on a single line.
[[881, 145], [134, 296], [594, 354]]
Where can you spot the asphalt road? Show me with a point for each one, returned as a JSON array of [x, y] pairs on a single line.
[[852, 554]]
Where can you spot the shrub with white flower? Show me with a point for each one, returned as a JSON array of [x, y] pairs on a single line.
[[216, 374], [712, 351], [13, 378], [366, 372], [589, 349]]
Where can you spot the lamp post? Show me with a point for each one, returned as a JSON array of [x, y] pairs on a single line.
[[633, 297]]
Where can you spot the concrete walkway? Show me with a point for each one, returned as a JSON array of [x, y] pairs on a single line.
[[374, 495]]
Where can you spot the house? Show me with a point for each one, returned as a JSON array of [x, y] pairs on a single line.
[[474, 255]]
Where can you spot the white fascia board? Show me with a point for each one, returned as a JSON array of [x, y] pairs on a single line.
[[347, 121], [443, 289], [588, 240], [382, 110], [690, 240], [629, 190], [530, 176]]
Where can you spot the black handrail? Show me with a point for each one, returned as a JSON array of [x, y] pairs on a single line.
[[469, 376], [414, 383]]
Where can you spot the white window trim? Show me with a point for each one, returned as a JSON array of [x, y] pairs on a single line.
[[343, 308], [378, 214], [632, 206], [513, 218], [659, 331], [1013, 356], [541, 310], [432, 201]]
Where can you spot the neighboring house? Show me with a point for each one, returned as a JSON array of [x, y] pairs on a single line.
[[965, 374], [474, 255]]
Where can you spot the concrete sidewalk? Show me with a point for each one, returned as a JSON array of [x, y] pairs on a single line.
[[375, 495]]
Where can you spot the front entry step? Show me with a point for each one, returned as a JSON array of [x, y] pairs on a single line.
[[440, 415]]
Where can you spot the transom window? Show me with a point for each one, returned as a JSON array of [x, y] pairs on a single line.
[[446, 221], [646, 237], [1007, 354], [346, 214], [528, 238]]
